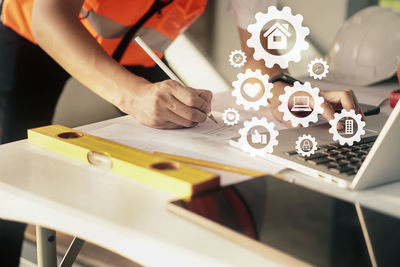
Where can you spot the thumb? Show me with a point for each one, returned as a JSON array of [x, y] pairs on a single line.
[[256, 132]]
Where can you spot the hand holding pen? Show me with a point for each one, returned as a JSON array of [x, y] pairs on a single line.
[[186, 95]]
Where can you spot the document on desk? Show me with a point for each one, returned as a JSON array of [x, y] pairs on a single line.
[[207, 141]]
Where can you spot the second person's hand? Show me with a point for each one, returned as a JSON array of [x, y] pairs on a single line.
[[334, 100], [167, 104]]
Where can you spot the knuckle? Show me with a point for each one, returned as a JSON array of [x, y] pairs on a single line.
[[159, 91], [158, 86], [172, 105], [208, 93], [164, 87], [192, 99], [171, 83], [346, 92], [190, 114], [158, 102]]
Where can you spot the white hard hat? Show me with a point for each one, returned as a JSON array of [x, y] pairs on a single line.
[[367, 48]]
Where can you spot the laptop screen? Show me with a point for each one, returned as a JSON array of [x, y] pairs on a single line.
[[310, 226]]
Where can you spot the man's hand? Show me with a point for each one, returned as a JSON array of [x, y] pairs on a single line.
[[167, 105], [334, 100]]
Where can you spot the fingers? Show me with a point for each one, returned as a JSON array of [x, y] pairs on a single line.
[[184, 112], [346, 99], [171, 125], [206, 95], [190, 97], [343, 98], [169, 105], [176, 119], [329, 112], [357, 106], [165, 125]]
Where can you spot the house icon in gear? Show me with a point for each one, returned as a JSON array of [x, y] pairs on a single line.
[[277, 36]]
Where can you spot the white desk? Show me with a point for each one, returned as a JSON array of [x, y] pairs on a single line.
[[127, 217], [113, 212]]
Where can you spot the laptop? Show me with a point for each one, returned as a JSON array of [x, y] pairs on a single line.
[[372, 161]]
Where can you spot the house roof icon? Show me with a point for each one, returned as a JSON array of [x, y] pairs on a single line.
[[284, 28]]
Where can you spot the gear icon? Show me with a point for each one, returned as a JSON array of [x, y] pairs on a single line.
[[274, 14], [253, 89], [306, 152], [356, 137], [244, 133], [237, 58], [231, 116], [284, 106], [318, 68]]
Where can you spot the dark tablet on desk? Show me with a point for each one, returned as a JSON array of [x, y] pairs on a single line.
[[307, 225]]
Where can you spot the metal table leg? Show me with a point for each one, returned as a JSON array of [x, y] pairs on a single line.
[[46, 247], [72, 252]]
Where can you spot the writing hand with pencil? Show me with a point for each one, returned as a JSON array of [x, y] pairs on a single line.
[[170, 104], [167, 104]]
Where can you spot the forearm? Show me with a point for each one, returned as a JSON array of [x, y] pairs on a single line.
[[59, 32], [251, 62]]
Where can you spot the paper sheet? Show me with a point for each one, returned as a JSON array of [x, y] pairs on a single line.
[[208, 141], [199, 142]]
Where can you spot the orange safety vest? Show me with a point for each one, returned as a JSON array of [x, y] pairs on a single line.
[[109, 20]]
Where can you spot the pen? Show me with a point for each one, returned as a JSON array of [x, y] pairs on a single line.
[[164, 67]]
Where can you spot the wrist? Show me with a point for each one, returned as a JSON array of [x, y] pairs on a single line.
[[254, 65], [128, 88], [277, 90]]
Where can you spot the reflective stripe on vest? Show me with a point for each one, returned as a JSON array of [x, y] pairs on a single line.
[[105, 27], [154, 39], [109, 29]]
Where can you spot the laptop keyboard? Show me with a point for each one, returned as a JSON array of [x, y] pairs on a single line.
[[339, 158]]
